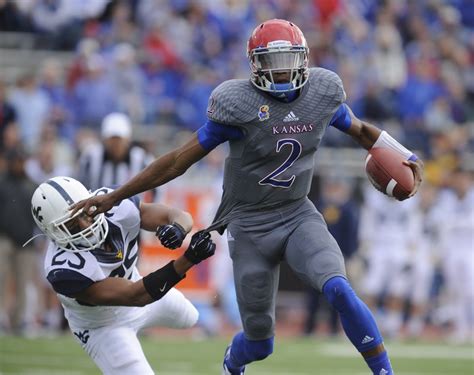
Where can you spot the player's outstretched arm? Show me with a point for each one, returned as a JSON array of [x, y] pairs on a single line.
[[170, 224], [160, 171], [115, 291], [368, 136]]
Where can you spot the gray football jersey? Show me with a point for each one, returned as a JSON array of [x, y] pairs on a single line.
[[273, 163]]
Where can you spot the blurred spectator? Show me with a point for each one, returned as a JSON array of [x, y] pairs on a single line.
[[18, 262], [443, 158], [77, 69], [12, 18], [421, 262], [115, 160], [197, 90], [128, 81], [342, 217], [7, 114], [45, 164], [117, 26], [11, 140], [388, 59], [375, 105], [156, 44], [389, 231], [32, 106], [94, 94], [58, 21], [455, 225], [52, 83], [162, 89]]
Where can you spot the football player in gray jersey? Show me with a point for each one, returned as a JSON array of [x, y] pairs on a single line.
[[274, 123], [91, 264]]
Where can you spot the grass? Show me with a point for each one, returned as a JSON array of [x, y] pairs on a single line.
[[182, 356]]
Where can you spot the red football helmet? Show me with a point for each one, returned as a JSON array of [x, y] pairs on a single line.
[[277, 49]]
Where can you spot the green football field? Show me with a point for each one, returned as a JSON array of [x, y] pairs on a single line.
[[183, 356]]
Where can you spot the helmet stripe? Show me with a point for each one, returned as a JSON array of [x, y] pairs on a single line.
[[61, 191]]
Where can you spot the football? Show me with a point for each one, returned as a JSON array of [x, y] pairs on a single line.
[[388, 174]]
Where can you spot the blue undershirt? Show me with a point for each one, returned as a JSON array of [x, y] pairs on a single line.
[[212, 134]]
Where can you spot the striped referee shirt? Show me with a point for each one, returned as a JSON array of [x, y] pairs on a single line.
[[96, 169]]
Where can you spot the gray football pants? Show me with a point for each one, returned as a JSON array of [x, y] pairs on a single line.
[[296, 233]]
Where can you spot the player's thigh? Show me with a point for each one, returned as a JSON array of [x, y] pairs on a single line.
[[256, 279], [313, 253], [174, 310], [116, 351]]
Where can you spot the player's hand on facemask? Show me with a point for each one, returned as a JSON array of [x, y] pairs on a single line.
[[171, 235], [200, 248], [94, 205]]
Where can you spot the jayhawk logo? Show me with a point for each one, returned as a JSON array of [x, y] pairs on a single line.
[[264, 113]]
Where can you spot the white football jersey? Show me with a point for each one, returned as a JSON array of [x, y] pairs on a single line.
[[70, 272]]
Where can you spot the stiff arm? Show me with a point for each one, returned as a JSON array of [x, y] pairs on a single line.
[[159, 172]]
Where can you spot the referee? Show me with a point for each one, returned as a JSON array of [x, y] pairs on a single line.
[[114, 161]]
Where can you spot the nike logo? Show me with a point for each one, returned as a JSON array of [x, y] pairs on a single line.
[[164, 287]]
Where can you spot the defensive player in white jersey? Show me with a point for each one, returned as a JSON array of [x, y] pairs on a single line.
[[91, 264], [274, 123]]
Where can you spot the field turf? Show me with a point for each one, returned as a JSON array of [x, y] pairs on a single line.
[[184, 356]]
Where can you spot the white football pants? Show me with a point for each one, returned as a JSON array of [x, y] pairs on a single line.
[[116, 349]]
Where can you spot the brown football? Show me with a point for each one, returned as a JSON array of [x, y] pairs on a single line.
[[388, 174]]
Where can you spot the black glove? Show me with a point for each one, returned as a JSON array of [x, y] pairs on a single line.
[[200, 248], [171, 235]]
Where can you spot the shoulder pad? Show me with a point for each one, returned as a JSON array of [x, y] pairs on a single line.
[[328, 83], [225, 101]]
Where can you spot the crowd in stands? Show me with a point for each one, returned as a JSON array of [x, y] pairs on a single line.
[[407, 66]]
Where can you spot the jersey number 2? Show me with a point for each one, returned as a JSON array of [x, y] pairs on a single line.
[[295, 153]]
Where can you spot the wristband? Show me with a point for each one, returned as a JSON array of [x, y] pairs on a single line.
[[386, 141], [159, 282]]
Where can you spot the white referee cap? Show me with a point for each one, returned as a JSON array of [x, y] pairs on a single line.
[[116, 125]]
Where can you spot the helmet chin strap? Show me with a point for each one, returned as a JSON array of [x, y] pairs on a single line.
[[287, 95]]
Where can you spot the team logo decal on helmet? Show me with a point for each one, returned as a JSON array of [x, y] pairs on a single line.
[[264, 112]]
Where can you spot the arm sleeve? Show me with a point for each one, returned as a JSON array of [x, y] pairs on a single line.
[[68, 282], [212, 134], [342, 118]]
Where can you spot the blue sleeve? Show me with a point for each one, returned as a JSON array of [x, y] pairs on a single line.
[[212, 134], [342, 118], [68, 282]]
